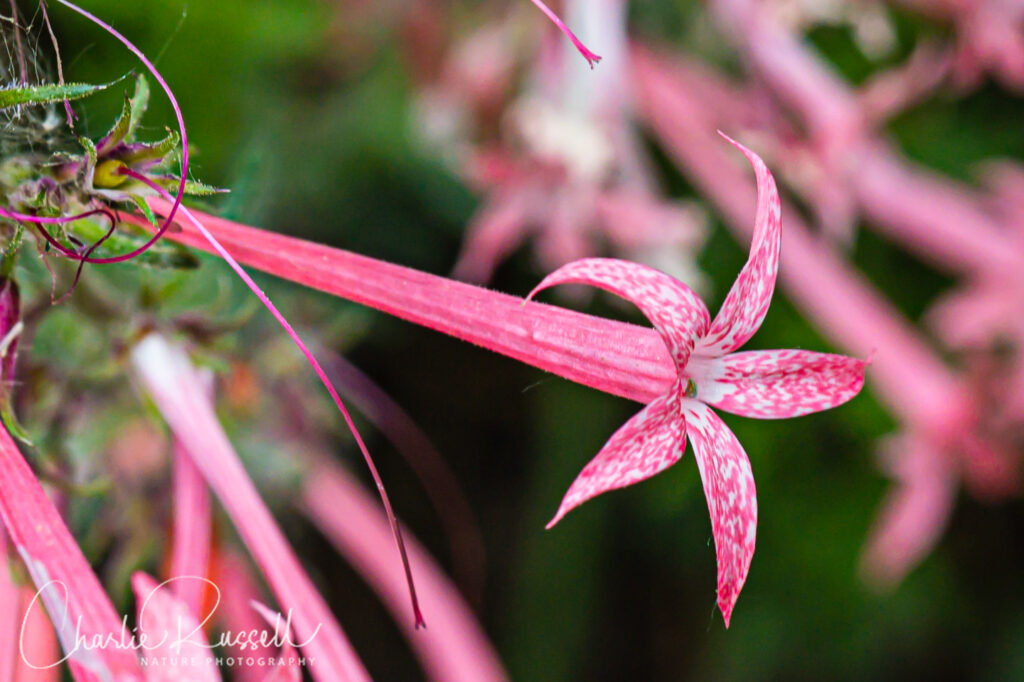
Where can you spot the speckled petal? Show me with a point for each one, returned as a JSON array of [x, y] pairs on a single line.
[[672, 307], [732, 499], [650, 442], [777, 384], [747, 303]]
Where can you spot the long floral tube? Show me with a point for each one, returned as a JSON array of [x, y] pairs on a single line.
[[179, 394], [907, 376], [931, 215], [235, 613], [37, 641], [453, 648], [193, 528], [619, 358], [10, 608], [78, 607]]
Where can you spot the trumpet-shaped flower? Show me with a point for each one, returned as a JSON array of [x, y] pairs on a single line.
[[762, 384]]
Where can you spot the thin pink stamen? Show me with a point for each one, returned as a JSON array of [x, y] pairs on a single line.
[[591, 57], [321, 374]]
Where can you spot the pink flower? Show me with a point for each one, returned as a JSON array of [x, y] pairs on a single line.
[[761, 384]]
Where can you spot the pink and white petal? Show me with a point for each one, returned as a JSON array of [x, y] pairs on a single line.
[[732, 498], [173, 644], [672, 307], [747, 303], [915, 511], [650, 442], [777, 384]]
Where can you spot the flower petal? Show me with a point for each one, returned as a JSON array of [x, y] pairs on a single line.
[[493, 233], [915, 512], [672, 307], [747, 303], [732, 499], [777, 384], [650, 442]]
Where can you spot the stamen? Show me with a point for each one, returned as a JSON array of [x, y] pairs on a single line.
[[587, 54], [691, 388]]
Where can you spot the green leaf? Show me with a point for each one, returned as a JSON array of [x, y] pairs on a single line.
[[90, 150], [146, 210], [192, 188], [41, 94], [10, 254], [87, 171], [11, 421], [138, 153], [198, 189], [139, 104], [119, 131]]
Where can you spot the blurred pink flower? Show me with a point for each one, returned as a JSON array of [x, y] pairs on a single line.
[[990, 38], [763, 384], [181, 397], [915, 511], [553, 154]]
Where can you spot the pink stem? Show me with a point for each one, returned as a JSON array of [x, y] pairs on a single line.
[[587, 54], [315, 364], [67, 586], [181, 398], [454, 648], [622, 359]]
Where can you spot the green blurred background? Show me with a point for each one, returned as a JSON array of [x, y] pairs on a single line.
[[313, 137]]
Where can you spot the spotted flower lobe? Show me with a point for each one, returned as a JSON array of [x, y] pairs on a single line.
[[747, 303], [779, 384], [676, 312], [650, 442], [732, 499]]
